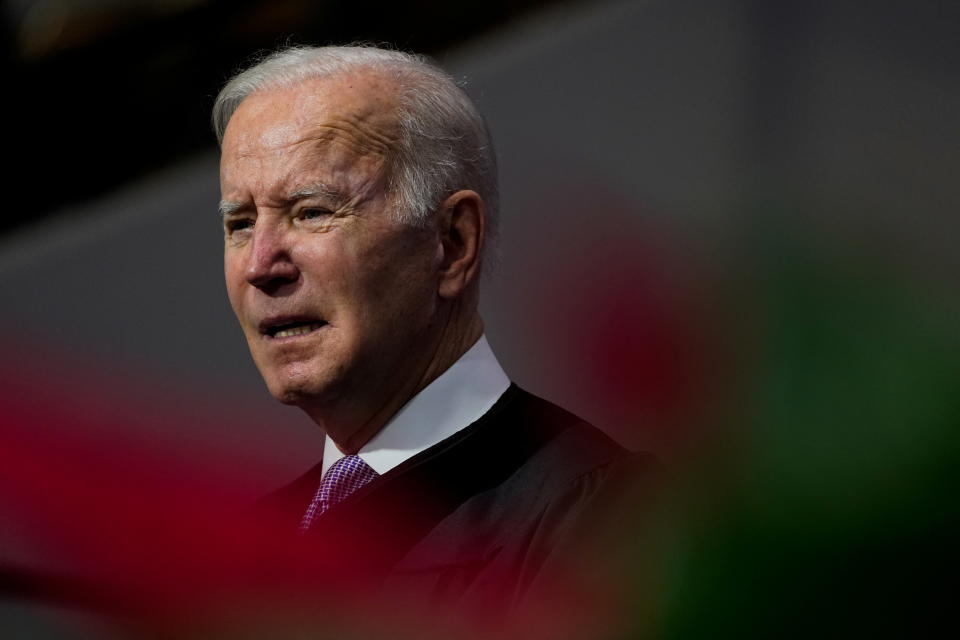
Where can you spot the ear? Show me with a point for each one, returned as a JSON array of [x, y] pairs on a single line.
[[462, 225]]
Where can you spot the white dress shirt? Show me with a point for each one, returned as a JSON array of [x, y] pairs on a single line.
[[454, 400]]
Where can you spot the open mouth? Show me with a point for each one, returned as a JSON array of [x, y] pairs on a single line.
[[290, 329]]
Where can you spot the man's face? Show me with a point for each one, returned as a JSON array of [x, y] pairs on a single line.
[[332, 294]]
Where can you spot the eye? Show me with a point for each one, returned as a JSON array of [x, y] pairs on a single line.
[[314, 218], [233, 225], [314, 213]]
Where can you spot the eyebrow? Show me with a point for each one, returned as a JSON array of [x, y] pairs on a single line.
[[227, 207], [335, 196]]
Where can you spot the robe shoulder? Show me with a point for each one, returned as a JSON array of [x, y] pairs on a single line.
[[482, 515]]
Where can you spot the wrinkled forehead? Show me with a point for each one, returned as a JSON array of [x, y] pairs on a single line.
[[360, 108]]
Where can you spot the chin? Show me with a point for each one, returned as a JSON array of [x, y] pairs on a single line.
[[291, 397], [292, 392], [297, 388]]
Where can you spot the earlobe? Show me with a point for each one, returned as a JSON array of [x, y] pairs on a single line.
[[462, 229]]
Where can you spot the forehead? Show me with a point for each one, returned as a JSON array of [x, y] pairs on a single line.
[[354, 112]]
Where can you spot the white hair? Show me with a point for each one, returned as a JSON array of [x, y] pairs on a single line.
[[443, 145]]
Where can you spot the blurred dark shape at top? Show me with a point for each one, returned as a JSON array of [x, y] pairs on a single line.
[[102, 92]]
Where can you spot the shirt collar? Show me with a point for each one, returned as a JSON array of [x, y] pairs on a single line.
[[455, 399]]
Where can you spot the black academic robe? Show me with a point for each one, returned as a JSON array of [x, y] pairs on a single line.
[[482, 518]]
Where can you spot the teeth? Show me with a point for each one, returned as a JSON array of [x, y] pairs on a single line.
[[298, 331]]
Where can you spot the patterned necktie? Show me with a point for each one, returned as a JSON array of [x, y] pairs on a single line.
[[347, 474]]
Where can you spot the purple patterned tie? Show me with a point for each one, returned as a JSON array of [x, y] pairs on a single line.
[[347, 474]]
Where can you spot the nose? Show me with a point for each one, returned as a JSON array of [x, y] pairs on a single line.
[[270, 264]]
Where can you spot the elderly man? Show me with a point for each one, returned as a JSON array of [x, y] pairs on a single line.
[[359, 199]]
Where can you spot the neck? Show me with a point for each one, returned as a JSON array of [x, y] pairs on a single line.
[[351, 426]]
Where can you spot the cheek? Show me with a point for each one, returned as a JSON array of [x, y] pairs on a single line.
[[404, 292], [237, 288], [230, 277]]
